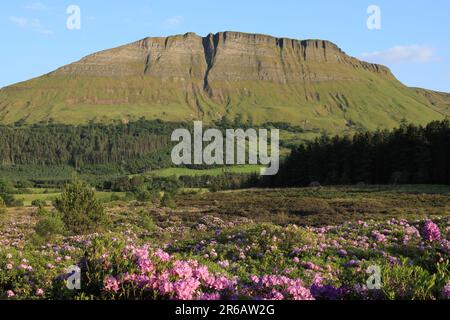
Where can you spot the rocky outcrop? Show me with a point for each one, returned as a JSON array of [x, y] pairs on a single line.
[[225, 56]]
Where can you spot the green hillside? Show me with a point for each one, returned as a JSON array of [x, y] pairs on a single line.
[[257, 78]]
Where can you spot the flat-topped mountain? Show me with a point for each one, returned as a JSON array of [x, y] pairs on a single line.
[[229, 74]]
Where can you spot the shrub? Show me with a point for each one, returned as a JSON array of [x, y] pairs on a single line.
[[167, 201], [406, 282], [2, 206], [81, 212], [143, 195], [49, 225], [38, 203], [7, 198], [148, 224], [115, 197], [16, 203]]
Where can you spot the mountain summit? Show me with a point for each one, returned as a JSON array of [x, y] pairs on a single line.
[[255, 77]]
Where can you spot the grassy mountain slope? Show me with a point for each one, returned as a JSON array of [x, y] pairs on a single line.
[[311, 83]]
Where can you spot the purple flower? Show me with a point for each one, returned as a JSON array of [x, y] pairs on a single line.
[[378, 236], [162, 255], [111, 284], [446, 291], [431, 232], [310, 266], [224, 264]]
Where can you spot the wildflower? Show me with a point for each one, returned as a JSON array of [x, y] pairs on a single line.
[[430, 231], [310, 266], [276, 295], [224, 264], [111, 284], [378, 236], [39, 292], [182, 269], [412, 231], [352, 263], [446, 291], [9, 266], [321, 291], [162, 255], [342, 252], [185, 289], [10, 293]]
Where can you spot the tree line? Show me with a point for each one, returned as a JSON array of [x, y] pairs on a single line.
[[91, 144], [409, 154]]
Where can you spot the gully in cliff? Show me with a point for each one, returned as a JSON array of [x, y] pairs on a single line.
[[235, 142]]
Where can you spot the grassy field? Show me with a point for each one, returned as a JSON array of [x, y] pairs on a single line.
[[49, 197], [329, 205], [169, 172]]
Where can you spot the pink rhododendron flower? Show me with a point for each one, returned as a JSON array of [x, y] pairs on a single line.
[[430, 231], [111, 284]]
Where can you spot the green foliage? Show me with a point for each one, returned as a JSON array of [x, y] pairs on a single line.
[[5, 194], [406, 282], [80, 146], [148, 223], [145, 195], [167, 201], [2, 206], [81, 212], [407, 155], [49, 225], [39, 203], [17, 203]]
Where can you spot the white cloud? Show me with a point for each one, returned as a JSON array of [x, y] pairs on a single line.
[[37, 26], [173, 22], [31, 24], [36, 6], [19, 21], [398, 54]]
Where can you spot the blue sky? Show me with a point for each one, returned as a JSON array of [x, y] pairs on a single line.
[[413, 40]]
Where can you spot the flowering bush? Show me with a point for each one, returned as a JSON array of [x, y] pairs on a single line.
[[252, 261], [431, 231], [114, 270]]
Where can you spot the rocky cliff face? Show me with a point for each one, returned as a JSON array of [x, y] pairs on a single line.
[[253, 76], [225, 56]]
